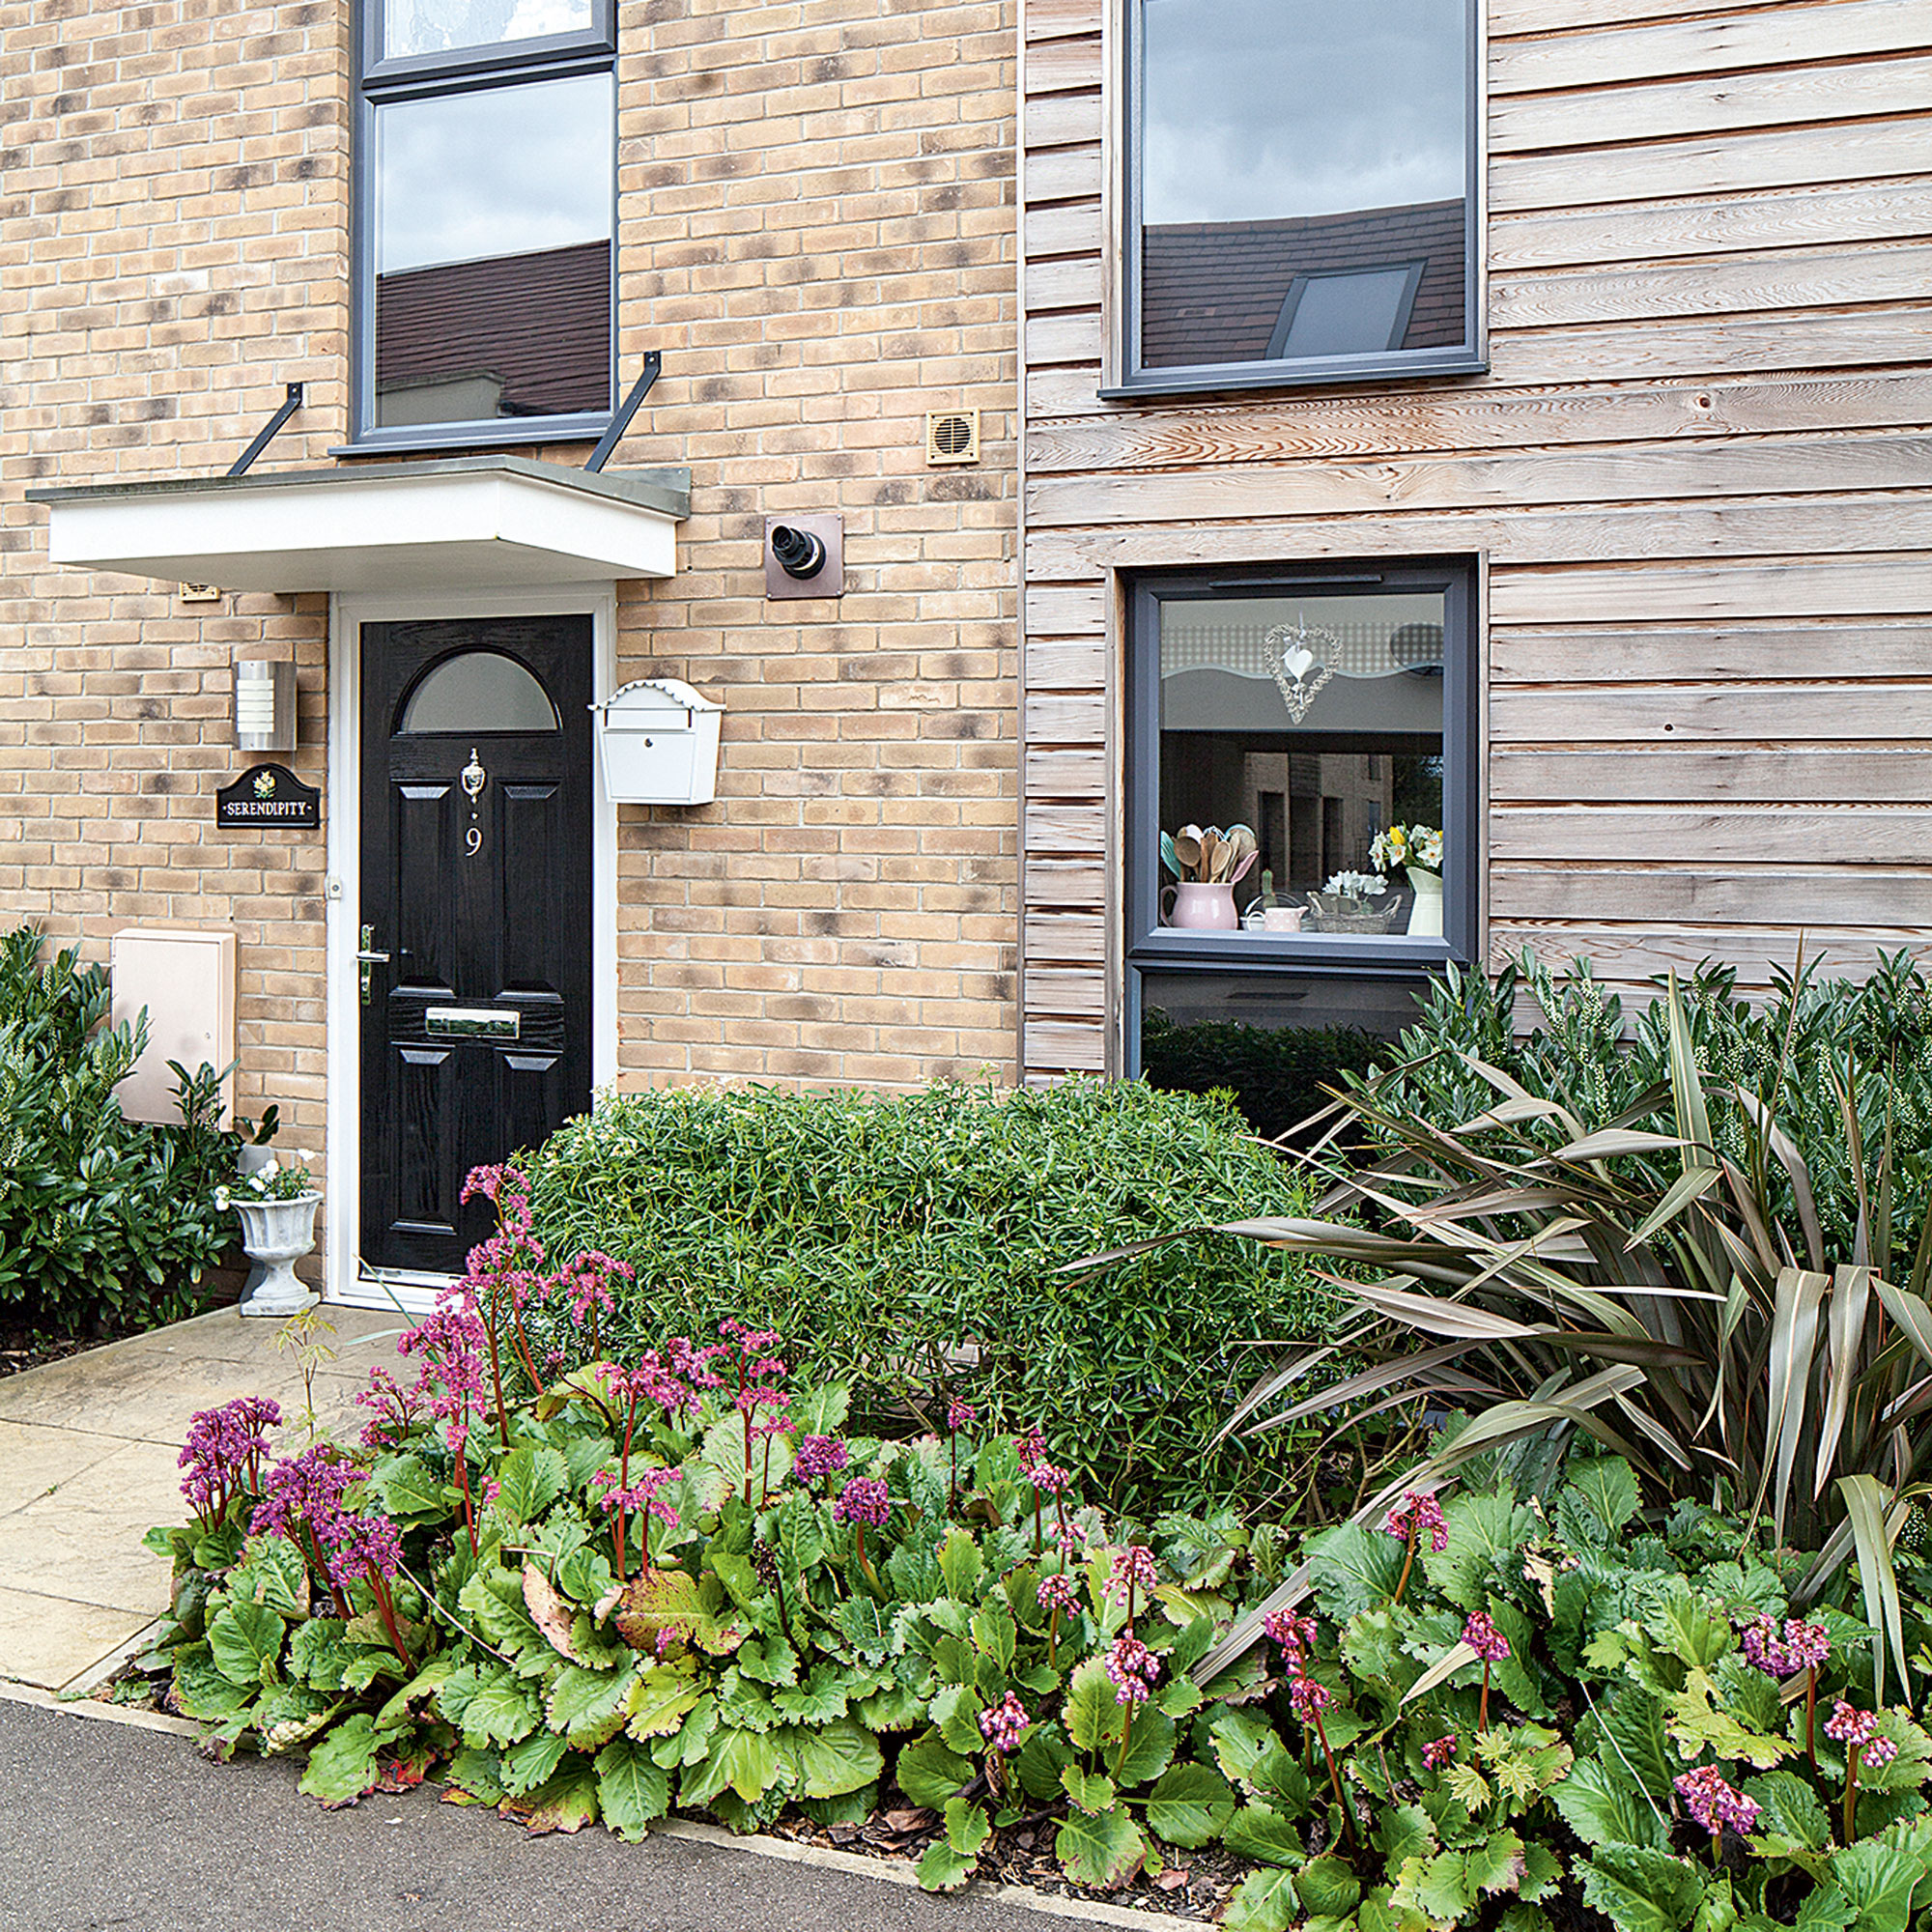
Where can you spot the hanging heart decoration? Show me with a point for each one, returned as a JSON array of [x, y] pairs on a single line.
[[1294, 651]]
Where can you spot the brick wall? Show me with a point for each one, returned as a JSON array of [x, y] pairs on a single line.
[[816, 228]]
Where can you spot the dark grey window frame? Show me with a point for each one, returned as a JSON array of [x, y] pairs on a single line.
[[1469, 358], [1151, 945], [421, 78]]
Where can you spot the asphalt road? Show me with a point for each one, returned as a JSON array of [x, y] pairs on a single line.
[[103, 1826]]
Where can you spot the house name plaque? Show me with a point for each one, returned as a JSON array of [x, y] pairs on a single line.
[[267, 796]]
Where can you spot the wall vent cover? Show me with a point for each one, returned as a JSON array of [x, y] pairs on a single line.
[[951, 435]]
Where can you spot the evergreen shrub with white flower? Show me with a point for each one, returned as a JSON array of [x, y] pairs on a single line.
[[579, 1588]]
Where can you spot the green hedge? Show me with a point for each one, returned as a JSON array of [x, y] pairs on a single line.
[[1278, 1075], [105, 1223], [880, 1234]]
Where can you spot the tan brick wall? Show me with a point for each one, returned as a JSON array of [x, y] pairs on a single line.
[[818, 230]]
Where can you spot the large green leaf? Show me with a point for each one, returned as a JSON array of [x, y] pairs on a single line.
[[409, 1490], [1092, 1792], [1190, 1807], [1639, 1888], [1789, 1815], [1327, 1887], [1042, 1759], [1148, 1747], [1600, 1803], [589, 1707], [567, 1802], [272, 1573], [342, 1767], [942, 1869], [245, 1641], [1598, 1498], [960, 1564], [834, 1758], [1264, 1834], [1351, 1568], [1486, 1532], [532, 1763], [928, 1773], [632, 1789], [1102, 1852], [1264, 1901], [528, 1481], [746, 1762], [1091, 1714]]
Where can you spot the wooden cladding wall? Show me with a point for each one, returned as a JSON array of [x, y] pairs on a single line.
[[1698, 470]]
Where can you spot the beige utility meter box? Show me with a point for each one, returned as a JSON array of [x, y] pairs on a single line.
[[186, 980], [659, 741]]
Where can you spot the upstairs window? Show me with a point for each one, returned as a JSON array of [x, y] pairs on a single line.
[[1300, 194], [486, 195]]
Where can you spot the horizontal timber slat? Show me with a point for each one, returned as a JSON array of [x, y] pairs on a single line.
[[1638, 472], [1059, 120], [1637, 953], [1546, 16], [1802, 896], [1049, 20], [1065, 773], [1742, 836], [1764, 36], [1678, 109], [1523, 542], [1062, 64], [1552, 715], [1791, 279], [1837, 587], [1589, 652], [1065, 1045], [1062, 228], [1061, 664], [1400, 423], [1693, 347], [1073, 938], [1076, 990], [1072, 283], [1711, 225], [1064, 828], [1080, 884], [1061, 174], [1763, 774], [1738, 163]]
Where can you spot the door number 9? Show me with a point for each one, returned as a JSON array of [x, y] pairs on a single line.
[[472, 840]]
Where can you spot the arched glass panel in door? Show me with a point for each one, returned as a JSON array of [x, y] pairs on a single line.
[[478, 691]]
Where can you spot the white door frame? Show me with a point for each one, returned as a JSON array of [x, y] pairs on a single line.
[[345, 1280]]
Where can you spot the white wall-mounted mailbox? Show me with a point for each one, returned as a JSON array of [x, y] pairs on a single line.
[[659, 742], [186, 980]]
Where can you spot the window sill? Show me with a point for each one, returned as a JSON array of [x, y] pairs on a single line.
[[1302, 952], [1152, 386], [443, 438]]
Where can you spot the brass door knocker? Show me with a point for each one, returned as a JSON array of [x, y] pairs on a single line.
[[474, 779]]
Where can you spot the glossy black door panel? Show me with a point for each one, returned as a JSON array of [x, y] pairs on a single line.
[[475, 880]]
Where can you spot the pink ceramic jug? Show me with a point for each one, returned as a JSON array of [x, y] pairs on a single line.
[[1206, 904]]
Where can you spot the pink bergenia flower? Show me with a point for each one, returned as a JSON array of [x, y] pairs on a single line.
[[1419, 1514], [819, 1456], [1294, 1634], [223, 1452], [1713, 1803], [1485, 1638], [1804, 1646], [1032, 1450], [1134, 1572], [360, 1547], [610, 1494], [1440, 1751], [1003, 1725], [864, 1499], [1308, 1700], [1877, 1751], [1050, 1480], [309, 1491], [960, 1414], [1057, 1593], [587, 1283], [1849, 1725], [1131, 1669]]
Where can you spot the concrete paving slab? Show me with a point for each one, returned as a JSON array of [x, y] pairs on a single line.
[[48, 1641], [88, 1451], [34, 1462], [83, 1542], [102, 1826]]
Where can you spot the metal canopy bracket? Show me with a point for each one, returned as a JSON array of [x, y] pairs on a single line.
[[621, 421], [267, 432]]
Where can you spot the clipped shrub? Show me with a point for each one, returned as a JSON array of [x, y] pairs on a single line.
[[1279, 1076], [884, 1235], [104, 1222]]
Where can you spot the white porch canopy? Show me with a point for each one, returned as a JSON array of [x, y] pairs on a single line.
[[465, 522]]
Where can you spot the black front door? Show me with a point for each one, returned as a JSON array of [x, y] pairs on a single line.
[[476, 884]]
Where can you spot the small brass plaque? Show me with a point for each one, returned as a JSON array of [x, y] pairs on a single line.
[[474, 1022]]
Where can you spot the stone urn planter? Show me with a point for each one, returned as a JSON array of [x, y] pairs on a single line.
[[275, 1234]]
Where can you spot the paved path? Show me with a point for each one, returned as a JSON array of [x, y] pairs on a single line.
[[87, 1450], [107, 1827]]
